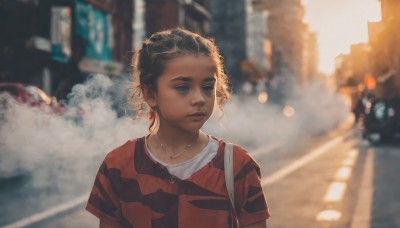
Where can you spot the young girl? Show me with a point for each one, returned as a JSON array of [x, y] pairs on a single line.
[[174, 177]]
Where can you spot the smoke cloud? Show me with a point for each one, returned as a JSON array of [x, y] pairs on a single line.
[[65, 151], [310, 111]]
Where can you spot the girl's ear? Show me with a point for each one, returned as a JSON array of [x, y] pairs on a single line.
[[149, 96]]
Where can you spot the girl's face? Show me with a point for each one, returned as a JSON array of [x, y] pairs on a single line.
[[186, 92]]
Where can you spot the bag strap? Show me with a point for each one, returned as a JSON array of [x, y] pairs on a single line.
[[228, 167]]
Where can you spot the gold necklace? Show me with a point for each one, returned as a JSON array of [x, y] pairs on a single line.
[[165, 149]]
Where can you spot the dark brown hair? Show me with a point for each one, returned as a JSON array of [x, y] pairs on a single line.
[[149, 62]]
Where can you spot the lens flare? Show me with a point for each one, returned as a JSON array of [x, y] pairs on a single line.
[[263, 97], [288, 111]]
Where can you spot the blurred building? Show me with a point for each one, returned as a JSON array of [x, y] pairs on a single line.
[[351, 69], [190, 14], [286, 31], [238, 27], [228, 26], [385, 35], [379, 53], [295, 46], [257, 65], [241, 33], [343, 70], [374, 67], [57, 43], [384, 39], [359, 60], [54, 44], [310, 56], [294, 57]]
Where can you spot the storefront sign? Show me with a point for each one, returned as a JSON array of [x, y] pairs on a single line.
[[93, 25]]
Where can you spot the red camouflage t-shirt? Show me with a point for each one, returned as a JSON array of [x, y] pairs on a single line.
[[132, 190]]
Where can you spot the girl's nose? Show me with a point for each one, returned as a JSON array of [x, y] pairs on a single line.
[[198, 98]]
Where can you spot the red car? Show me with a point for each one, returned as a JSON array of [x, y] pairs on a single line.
[[33, 96]]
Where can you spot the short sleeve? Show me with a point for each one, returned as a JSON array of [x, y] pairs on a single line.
[[102, 200], [253, 206]]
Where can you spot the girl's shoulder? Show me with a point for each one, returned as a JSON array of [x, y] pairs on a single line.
[[240, 154], [123, 153], [243, 162]]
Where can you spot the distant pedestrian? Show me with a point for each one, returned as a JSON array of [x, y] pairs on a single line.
[[174, 176]]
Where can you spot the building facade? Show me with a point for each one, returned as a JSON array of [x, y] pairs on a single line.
[[384, 40], [286, 31], [190, 14], [55, 44], [228, 26], [310, 57]]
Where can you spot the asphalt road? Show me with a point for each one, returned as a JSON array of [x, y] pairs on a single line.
[[335, 180], [386, 207]]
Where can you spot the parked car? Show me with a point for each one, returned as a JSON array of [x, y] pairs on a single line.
[[32, 96], [382, 111], [382, 117]]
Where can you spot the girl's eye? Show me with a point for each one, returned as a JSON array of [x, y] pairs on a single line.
[[208, 87], [182, 88]]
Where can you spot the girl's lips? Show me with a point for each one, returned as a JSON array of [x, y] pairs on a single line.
[[197, 117], [198, 114]]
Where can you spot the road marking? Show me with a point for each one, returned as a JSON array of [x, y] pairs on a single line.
[[49, 213], [362, 214], [337, 189], [353, 154], [351, 158], [343, 174], [281, 173], [328, 216], [335, 192], [348, 162]]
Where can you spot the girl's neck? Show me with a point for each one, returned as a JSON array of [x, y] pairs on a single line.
[[173, 146], [178, 139]]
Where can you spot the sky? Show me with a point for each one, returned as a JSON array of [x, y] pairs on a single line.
[[339, 23]]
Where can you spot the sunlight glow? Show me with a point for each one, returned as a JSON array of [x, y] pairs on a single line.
[[340, 23]]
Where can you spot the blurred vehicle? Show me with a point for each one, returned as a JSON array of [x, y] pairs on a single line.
[[33, 97], [382, 117], [381, 114]]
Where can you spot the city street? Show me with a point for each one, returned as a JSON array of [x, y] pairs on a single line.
[[336, 180], [310, 88]]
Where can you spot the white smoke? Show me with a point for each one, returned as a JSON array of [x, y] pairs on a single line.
[[43, 144], [66, 151], [252, 124]]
